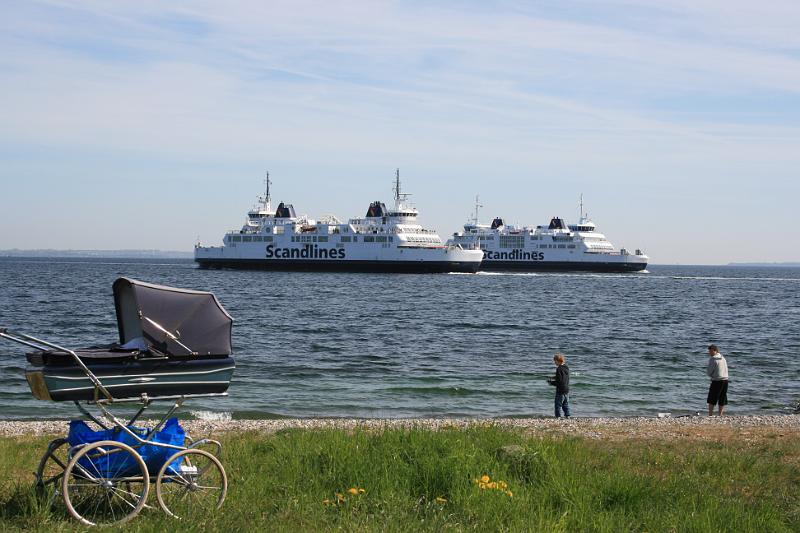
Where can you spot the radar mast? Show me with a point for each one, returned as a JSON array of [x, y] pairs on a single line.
[[478, 205], [399, 198], [266, 200]]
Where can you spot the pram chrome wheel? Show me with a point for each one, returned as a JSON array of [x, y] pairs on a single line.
[[105, 482], [51, 469], [195, 486]]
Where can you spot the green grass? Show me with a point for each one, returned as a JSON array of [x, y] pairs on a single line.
[[279, 482]]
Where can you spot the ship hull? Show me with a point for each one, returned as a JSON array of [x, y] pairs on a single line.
[[408, 267], [563, 266]]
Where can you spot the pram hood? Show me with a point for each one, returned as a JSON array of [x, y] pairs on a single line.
[[196, 318]]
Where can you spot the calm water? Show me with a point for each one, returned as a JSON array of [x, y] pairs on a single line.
[[442, 345]]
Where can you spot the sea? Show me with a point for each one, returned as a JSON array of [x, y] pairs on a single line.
[[440, 345]]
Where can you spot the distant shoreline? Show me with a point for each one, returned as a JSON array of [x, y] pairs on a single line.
[[95, 254], [775, 265]]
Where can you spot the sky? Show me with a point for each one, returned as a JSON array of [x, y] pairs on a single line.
[[149, 124]]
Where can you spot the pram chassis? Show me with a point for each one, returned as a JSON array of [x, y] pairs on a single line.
[[101, 498]]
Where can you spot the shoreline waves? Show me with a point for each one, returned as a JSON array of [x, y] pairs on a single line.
[[691, 427]]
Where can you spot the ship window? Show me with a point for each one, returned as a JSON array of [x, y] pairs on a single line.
[[380, 239], [570, 246], [355, 238], [268, 238], [345, 238], [562, 245], [512, 241], [247, 238], [368, 238], [236, 238], [391, 239], [322, 239]]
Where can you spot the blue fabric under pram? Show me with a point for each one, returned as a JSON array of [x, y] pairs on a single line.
[[122, 464]]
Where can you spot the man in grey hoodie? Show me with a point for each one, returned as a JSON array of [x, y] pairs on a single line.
[[717, 370]]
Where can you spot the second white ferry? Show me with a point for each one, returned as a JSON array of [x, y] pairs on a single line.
[[557, 246], [384, 240]]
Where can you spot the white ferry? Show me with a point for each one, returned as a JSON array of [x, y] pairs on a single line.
[[557, 246], [384, 240]]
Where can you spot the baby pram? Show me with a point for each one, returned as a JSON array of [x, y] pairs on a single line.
[[173, 344]]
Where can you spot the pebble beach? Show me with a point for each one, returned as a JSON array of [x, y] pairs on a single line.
[[691, 427]]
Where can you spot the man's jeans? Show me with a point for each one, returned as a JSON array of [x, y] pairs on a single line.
[[562, 401]]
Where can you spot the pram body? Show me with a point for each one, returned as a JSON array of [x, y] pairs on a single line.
[[171, 342], [127, 375]]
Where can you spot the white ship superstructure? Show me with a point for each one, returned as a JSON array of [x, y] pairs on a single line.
[[555, 246], [384, 240]]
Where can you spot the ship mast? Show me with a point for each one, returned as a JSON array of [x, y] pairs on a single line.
[[399, 197], [267, 199], [581, 204], [478, 205], [397, 185]]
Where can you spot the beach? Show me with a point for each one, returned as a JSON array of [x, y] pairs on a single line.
[[684, 427]]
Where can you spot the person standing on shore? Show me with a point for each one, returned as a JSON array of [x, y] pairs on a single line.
[[561, 383], [717, 370]]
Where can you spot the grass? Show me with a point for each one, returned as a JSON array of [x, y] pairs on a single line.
[[425, 480]]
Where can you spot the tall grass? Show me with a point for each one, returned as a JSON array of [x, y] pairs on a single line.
[[424, 480]]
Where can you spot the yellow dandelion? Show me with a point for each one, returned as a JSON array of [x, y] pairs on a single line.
[[361, 491], [485, 478], [482, 485], [439, 499], [502, 484], [492, 485], [509, 494], [352, 490], [339, 497]]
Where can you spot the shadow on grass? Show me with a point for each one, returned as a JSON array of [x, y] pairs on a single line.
[[27, 506]]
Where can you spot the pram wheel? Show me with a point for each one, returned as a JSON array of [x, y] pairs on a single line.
[[51, 469], [195, 486], [105, 482]]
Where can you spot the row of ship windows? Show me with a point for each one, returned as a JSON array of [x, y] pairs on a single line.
[[321, 238], [324, 238], [310, 238], [541, 246], [521, 238], [250, 238]]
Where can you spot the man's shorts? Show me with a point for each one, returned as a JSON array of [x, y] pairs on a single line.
[[718, 393]]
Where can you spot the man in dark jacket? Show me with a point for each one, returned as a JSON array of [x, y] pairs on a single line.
[[561, 382]]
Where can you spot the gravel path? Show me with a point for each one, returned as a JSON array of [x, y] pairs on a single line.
[[701, 427]]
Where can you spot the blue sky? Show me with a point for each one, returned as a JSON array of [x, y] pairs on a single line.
[[148, 124]]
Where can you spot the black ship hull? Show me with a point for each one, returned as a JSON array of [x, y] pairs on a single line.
[[407, 267], [562, 266]]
